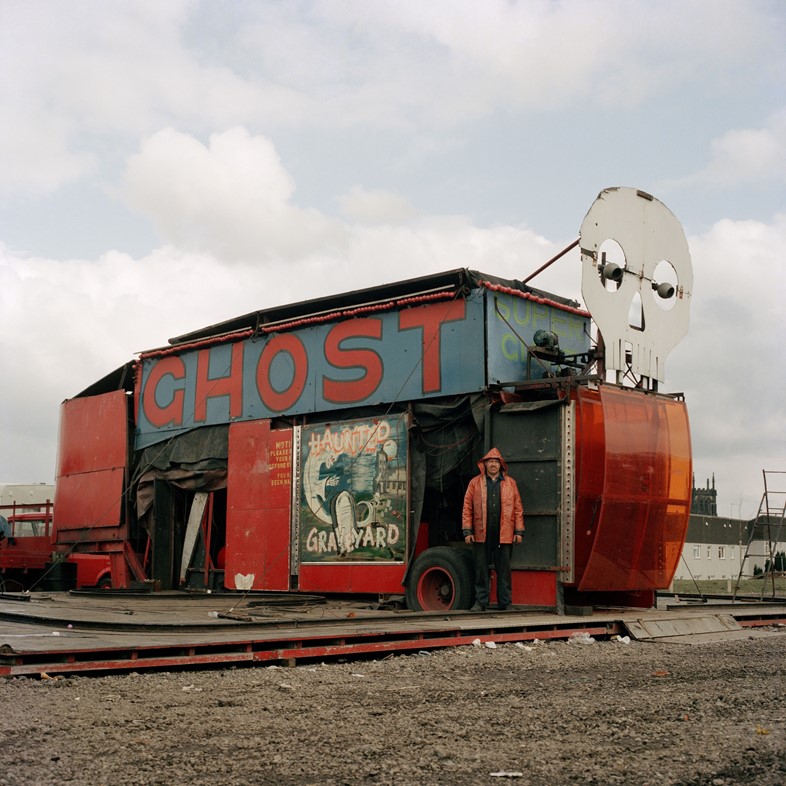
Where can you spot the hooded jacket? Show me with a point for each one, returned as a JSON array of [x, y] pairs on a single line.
[[511, 516]]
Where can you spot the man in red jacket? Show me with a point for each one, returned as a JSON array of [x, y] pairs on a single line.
[[492, 521]]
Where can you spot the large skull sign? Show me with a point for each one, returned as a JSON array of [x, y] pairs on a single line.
[[651, 240]]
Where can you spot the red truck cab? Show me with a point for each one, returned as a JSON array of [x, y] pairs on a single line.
[[27, 560]]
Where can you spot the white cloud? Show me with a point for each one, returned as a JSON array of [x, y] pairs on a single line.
[[376, 207], [35, 156], [380, 254], [732, 365], [68, 71], [235, 243], [468, 57], [79, 79], [231, 198], [74, 75], [748, 155]]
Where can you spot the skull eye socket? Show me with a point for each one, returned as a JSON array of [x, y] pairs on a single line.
[[664, 285], [611, 265]]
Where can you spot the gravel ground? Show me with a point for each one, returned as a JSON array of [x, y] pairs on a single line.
[[551, 713]]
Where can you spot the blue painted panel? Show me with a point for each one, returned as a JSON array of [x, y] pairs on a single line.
[[512, 323], [425, 351]]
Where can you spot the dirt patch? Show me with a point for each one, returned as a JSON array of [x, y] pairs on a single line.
[[543, 714]]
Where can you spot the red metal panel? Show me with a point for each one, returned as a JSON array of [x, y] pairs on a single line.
[[534, 588], [634, 489], [88, 500], [92, 457], [378, 578], [259, 499], [93, 433], [33, 551]]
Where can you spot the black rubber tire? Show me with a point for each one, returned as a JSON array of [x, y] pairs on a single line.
[[441, 579]]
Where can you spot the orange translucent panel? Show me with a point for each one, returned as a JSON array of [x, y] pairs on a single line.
[[633, 489]]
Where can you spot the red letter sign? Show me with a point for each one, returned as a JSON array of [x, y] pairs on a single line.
[[353, 390], [430, 319], [279, 401], [231, 385], [173, 412]]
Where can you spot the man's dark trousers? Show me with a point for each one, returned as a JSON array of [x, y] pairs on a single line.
[[485, 555]]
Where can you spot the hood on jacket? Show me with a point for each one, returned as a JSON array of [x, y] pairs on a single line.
[[493, 453]]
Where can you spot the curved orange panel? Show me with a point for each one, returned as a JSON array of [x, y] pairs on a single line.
[[633, 489]]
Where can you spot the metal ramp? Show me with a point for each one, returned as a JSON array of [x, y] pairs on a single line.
[[765, 545], [690, 629], [699, 628]]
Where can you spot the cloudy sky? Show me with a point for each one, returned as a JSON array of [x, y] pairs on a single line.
[[167, 165]]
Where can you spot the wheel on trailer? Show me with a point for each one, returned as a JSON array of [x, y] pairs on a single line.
[[441, 579]]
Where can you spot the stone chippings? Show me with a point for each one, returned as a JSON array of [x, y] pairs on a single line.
[[549, 713]]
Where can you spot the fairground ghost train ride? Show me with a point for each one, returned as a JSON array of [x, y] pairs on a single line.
[[325, 446]]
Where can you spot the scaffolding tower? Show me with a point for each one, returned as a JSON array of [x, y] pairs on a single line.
[[765, 538]]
